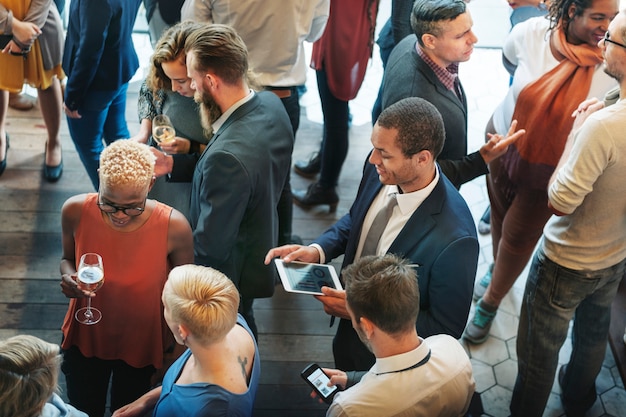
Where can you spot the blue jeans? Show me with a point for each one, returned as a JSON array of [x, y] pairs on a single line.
[[103, 117], [553, 296], [335, 141]]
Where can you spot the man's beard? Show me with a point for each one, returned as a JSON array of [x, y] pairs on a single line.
[[209, 110], [612, 72]]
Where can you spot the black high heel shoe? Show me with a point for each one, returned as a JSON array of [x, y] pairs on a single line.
[[52, 173], [3, 164]]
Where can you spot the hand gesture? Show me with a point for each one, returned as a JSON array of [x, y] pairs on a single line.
[[497, 145]]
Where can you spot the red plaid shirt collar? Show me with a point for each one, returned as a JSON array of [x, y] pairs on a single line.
[[447, 76]]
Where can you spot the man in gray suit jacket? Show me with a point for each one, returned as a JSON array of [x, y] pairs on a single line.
[[238, 179], [425, 64], [431, 226]]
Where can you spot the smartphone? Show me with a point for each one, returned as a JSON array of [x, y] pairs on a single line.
[[318, 380]]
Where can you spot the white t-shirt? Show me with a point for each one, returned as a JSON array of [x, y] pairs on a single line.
[[528, 48]]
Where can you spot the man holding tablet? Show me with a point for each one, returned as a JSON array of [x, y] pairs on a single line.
[[427, 222]]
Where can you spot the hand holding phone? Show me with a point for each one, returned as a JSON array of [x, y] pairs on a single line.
[[318, 380]]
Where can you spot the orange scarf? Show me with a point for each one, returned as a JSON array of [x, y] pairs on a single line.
[[544, 109]]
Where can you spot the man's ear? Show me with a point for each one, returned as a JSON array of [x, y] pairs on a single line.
[[429, 41], [423, 157], [367, 326], [211, 80], [152, 181]]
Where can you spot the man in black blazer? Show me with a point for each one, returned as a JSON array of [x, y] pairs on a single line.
[[425, 64], [431, 226], [238, 179]]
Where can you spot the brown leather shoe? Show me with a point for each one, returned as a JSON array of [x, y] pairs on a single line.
[[316, 195], [21, 101]]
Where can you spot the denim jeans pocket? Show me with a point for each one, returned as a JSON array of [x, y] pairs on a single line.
[[571, 287]]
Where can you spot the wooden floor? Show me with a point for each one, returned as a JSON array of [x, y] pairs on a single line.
[[293, 329]]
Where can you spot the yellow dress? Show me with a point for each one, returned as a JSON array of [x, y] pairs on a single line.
[[17, 70]]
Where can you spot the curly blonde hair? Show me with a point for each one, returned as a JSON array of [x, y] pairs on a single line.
[[29, 371], [203, 299], [126, 163]]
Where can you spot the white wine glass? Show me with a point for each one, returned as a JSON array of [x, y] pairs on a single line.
[[163, 131], [90, 277]]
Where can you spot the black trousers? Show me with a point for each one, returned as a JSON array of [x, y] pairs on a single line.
[[87, 381]]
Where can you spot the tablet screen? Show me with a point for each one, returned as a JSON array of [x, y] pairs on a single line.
[[307, 278]]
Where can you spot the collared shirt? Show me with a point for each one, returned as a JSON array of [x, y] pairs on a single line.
[[447, 75], [407, 204], [220, 120], [393, 387]]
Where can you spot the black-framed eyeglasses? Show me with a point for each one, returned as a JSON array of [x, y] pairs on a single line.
[[606, 39], [129, 211]]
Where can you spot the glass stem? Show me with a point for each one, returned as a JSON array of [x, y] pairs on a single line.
[[88, 311]]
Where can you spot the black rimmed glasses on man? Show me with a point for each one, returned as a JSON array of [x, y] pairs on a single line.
[[606, 39], [110, 208]]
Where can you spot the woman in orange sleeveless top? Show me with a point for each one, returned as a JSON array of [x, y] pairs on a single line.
[[139, 240]]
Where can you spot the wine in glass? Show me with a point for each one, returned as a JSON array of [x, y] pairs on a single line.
[[162, 129], [90, 277]]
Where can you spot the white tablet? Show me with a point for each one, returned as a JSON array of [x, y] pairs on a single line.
[[307, 278]]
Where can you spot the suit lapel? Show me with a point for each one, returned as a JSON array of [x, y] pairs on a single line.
[[430, 75], [421, 222], [241, 111]]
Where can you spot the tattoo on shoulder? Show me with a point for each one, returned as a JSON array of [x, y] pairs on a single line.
[[243, 362]]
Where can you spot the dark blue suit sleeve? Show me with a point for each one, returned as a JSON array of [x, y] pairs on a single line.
[[334, 240], [94, 17], [184, 167], [445, 304]]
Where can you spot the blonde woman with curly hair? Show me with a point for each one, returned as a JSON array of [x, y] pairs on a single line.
[[29, 371], [219, 373], [140, 240]]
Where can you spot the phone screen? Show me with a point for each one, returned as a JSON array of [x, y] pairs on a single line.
[[319, 380]]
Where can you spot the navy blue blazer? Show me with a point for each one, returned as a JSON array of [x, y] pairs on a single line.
[[440, 237], [99, 54]]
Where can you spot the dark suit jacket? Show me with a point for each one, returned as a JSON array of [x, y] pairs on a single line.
[[237, 182], [99, 53], [440, 236], [407, 75]]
